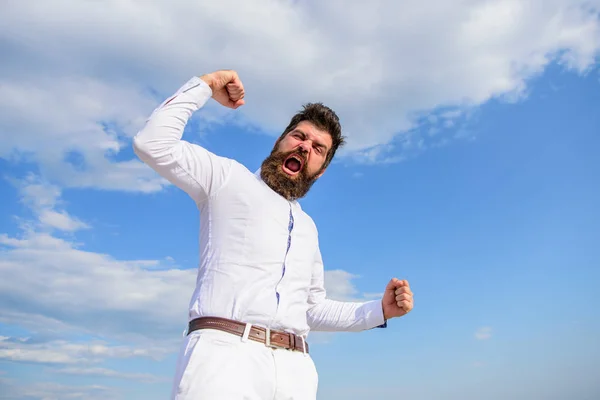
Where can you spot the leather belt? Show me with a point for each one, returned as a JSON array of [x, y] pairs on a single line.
[[275, 339]]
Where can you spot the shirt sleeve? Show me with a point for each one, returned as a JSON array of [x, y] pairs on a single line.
[[188, 166], [332, 315]]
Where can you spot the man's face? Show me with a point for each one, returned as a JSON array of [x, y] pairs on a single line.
[[296, 161]]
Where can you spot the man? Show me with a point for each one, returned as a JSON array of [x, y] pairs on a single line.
[[259, 288]]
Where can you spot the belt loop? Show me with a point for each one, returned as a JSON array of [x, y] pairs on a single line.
[[303, 345], [268, 337], [246, 332]]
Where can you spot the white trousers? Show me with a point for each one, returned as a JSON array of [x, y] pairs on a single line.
[[217, 365]]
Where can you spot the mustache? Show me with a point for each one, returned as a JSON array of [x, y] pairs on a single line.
[[300, 153]]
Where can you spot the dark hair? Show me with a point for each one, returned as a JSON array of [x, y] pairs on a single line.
[[323, 118]]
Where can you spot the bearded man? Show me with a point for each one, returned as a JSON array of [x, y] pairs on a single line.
[[260, 287]]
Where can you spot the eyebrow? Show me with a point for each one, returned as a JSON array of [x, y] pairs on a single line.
[[316, 142]]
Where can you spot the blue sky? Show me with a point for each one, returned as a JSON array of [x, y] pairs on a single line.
[[487, 203]]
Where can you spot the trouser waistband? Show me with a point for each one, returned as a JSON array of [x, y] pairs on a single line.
[[275, 339]]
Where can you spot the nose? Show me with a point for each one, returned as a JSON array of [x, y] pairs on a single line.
[[305, 146]]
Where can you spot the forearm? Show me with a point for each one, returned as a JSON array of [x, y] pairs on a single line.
[[162, 133], [332, 315], [188, 166]]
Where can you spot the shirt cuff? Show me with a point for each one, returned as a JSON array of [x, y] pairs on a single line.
[[373, 312], [199, 89], [195, 90]]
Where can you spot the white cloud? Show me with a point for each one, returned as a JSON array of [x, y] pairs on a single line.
[[106, 372], [35, 322], [382, 65], [378, 295], [43, 199], [64, 289], [63, 352], [483, 333], [61, 220], [68, 288], [38, 195], [339, 285], [90, 290], [59, 116], [54, 391]]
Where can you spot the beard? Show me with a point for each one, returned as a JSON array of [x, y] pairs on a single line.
[[290, 187]]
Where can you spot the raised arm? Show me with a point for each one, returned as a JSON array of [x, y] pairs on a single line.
[[159, 143]]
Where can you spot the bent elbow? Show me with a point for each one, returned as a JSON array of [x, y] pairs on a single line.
[[140, 146], [148, 145], [152, 148]]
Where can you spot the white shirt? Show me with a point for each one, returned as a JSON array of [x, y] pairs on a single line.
[[260, 261]]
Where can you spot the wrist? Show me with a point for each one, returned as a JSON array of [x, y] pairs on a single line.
[[209, 80], [385, 317]]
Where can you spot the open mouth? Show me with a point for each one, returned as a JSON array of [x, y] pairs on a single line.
[[293, 164]]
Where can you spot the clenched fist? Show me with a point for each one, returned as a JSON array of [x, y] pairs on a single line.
[[397, 299], [227, 88]]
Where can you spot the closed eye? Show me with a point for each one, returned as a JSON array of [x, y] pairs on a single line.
[[320, 149]]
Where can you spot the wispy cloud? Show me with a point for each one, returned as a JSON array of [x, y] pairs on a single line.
[[44, 200], [65, 290], [91, 291], [61, 220], [55, 391], [105, 372], [483, 333], [377, 295], [78, 290], [380, 85], [64, 352], [340, 286]]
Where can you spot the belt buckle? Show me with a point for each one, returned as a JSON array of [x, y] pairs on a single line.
[[268, 342]]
